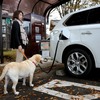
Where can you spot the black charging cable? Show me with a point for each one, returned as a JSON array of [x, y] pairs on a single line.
[[52, 62], [60, 36]]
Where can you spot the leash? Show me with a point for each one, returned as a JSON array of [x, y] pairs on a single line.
[[39, 65], [23, 54], [26, 57], [34, 63]]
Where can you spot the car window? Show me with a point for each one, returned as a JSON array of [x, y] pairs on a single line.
[[80, 18], [94, 16]]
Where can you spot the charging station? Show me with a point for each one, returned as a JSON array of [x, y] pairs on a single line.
[[37, 34], [44, 48]]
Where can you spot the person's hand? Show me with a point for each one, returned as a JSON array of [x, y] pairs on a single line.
[[20, 48]]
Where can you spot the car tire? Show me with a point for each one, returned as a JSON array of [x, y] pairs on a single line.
[[78, 62]]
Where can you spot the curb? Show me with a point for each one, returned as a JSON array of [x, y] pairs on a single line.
[[2, 65]]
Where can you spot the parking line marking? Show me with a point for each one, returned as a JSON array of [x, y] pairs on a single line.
[[45, 88]]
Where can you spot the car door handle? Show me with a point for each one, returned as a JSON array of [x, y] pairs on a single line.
[[88, 33]]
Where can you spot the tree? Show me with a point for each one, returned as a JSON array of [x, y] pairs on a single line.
[[94, 2], [74, 5]]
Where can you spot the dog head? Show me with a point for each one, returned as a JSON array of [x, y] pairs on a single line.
[[37, 58]]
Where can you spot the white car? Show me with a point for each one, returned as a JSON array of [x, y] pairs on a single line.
[[78, 48]]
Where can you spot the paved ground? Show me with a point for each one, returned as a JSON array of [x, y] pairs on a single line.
[[53, 87], [26, 92]]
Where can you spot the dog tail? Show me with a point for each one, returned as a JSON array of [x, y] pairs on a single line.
[[4, 72]]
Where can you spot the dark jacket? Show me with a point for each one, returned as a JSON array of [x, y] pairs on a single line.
[[15, 36]]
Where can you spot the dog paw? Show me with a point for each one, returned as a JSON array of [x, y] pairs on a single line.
[[31, 85], [16, 93], [5, 92]]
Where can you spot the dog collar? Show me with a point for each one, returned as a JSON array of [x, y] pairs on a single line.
[[34, 63]]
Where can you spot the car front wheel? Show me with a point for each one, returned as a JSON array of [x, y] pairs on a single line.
[[78, 62]]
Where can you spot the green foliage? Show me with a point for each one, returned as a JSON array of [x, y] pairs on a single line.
[[9, 55]]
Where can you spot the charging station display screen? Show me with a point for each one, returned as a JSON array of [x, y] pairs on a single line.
[[44, 45]]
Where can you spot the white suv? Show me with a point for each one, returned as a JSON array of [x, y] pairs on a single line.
[[78, 34]]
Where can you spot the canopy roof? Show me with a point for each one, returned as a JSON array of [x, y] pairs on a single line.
[[40, 7]]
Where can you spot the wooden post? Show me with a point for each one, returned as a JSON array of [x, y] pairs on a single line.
[[1, 42]]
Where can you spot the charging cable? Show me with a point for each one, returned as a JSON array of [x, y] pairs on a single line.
[[60, 36]]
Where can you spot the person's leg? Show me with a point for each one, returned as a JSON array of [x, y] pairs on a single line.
[[19, 55]]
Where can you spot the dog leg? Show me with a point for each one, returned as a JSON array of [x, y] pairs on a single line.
[[24, 81], [6, 83], [31, 79], [14, 87]]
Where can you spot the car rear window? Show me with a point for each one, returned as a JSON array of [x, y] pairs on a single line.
[[91, 16]]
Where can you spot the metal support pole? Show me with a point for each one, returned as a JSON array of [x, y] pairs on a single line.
[[1, 42]]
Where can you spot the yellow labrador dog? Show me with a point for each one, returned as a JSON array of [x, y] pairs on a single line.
[[16, 70]]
